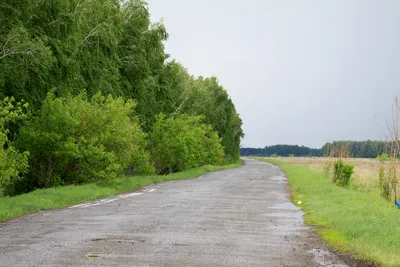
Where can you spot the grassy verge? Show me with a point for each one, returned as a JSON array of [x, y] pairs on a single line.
[[352, 220], [51, 198]]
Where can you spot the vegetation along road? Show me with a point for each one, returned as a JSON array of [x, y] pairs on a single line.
[[235, 217]]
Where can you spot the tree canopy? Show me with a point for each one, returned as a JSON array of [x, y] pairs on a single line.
[[60, 55]]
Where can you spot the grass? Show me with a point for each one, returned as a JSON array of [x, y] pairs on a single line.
[[356, 220], [51, 198], [365, 171]]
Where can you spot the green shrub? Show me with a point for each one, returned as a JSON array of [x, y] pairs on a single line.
[[183, 142], [393, 180], [383, 157], [342, 173], [384, 184], [12, 162], [77, 139], [388, 182]]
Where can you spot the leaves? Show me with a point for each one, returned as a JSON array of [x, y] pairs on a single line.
[[183, 142]]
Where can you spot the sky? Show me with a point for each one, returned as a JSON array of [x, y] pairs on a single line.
[[300, 72]]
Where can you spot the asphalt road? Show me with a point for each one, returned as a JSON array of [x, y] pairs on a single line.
[[237, 217]]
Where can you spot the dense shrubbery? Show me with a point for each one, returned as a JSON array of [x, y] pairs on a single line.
[[78, 139], [12, 162], [183, 142], [52, 51]]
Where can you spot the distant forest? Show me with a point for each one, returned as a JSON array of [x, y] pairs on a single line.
[[357, 149]]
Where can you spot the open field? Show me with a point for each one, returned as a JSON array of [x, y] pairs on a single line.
[[354, 220], [51, 198], [365, 170]]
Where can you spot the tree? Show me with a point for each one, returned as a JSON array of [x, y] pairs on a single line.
[[12, 162], [79, 139], [183, 142]]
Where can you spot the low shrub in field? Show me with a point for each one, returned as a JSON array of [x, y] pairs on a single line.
[[384, 184], [342, 173], [388, 182], [12, 162], [383, 157], [79, 139], [183, 142]]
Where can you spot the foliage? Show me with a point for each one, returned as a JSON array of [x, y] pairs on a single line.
[[206, 97], [393, 179], [183, 142], [111, 47], [388, 181], [383, 157], [281, 150], [342, 173], [12, 162], [77, 139], [357, 149], [50, 198], [384, 184]]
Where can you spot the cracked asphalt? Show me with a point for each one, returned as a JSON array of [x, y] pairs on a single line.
[[236, 217]]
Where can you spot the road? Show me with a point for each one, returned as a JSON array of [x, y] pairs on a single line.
[[237, 217]]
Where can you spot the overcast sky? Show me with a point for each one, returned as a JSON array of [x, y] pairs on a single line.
[[299, 72]]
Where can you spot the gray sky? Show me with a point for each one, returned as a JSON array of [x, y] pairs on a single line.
[[299, 72]]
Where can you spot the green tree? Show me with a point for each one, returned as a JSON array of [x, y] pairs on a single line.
[[79, 139], [183, 142], [12, 162]]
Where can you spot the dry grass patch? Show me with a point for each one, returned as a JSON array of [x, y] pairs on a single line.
[[365, 170]]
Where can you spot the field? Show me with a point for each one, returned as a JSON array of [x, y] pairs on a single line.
[[365, 170], [353, 220]]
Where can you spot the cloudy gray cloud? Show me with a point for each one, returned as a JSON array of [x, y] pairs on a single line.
[[300, 71]]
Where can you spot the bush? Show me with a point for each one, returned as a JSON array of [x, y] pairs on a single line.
[[383, 157], [77, 139], [12, 162], [183, 142], [384, 184], [342, 173], [388, 182]]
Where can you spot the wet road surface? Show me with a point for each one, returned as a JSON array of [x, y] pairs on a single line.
[[237, 217]]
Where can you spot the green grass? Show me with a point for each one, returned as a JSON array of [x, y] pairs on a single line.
[[351, 220], [51, 198]]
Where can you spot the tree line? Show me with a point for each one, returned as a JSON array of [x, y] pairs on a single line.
[[357, 149], [89, 93], [281, 150]]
